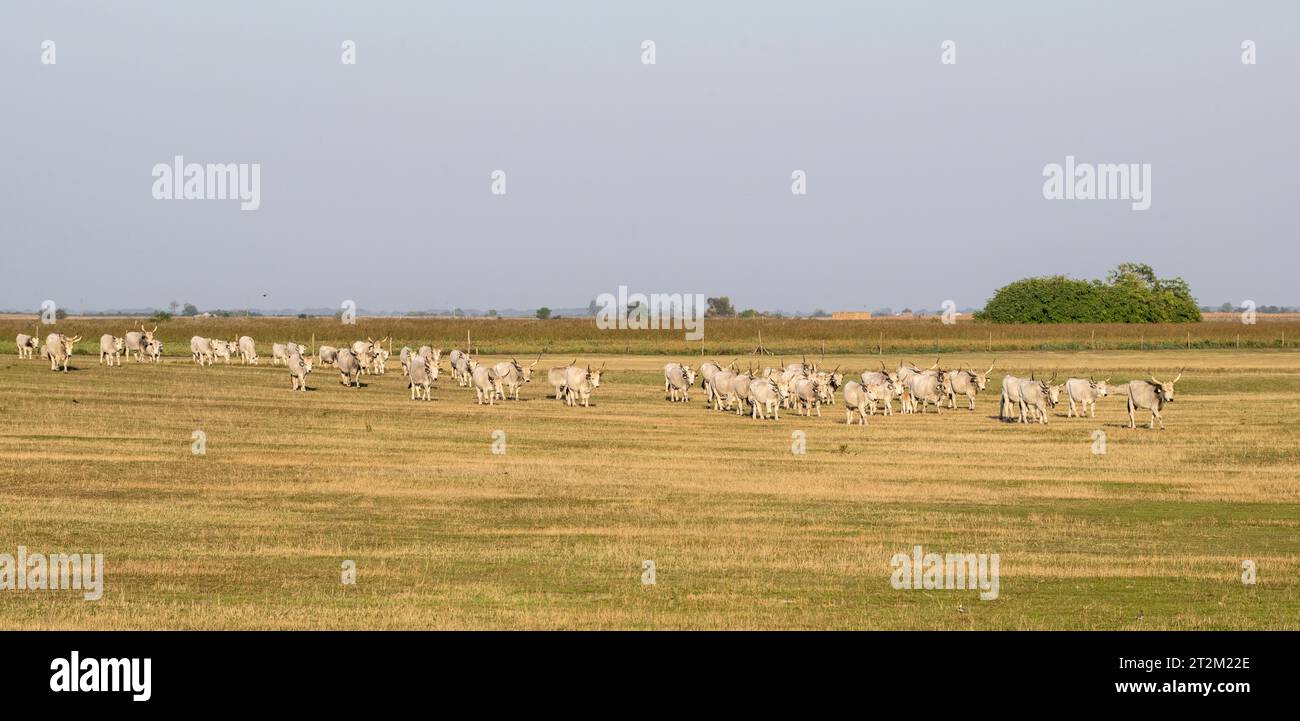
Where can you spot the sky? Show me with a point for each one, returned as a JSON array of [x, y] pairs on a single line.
[[924, 179]]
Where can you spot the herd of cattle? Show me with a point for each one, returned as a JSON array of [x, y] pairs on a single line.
[[799, 386], [571, 384], [804, 388]]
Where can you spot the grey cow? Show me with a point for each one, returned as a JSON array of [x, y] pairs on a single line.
[[513, 375], [298, 370], [579, 384], [349, 366], [766, 395], [1150, 395], [707, 369], [857, 401], [327, 355], [58, 348], [111, 348], [137, 341], [247, 350], [557, 377], [487, 384], [420, 378], [967, 383], [1083, 394], [1037, 397], [27, 345], [678, 380], [201, 350]]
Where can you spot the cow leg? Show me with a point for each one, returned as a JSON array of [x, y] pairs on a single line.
[[1132, 423]]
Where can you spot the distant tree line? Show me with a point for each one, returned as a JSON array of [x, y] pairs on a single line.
[[1131, 293]]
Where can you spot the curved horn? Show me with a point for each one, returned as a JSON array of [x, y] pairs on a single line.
[[936, 364], [155, 329], [990, 370], [1153, 378], [1180, 375], [1107, 380]]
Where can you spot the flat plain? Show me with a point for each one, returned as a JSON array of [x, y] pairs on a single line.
[[553, 533]]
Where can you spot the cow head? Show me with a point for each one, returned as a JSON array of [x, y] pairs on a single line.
[[981, 379], [689, 372], [1100, 388], [119, 344], [593, 376], [1165, 391], [835, 379], [148, 334], [68, 343]]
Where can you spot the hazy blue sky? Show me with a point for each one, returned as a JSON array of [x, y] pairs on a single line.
[[924, 180]]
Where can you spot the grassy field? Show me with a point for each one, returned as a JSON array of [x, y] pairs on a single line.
[[723, 336], [552, 534]]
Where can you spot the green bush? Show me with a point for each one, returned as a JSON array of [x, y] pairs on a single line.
[[1130, 294]]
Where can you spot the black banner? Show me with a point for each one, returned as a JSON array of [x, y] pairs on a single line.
[[334, 670]]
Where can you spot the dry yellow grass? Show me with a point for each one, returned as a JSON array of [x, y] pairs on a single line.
[[744, 534]]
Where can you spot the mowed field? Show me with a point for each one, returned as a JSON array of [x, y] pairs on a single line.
[[743, 533]]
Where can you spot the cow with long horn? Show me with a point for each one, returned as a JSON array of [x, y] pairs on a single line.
[[58, 349], [137, 341], [966, 382], [1150, 395], [1083, 394]]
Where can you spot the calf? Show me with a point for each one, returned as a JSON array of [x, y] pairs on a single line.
[[27, 345]]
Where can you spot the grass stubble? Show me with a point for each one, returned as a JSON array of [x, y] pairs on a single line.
[[744, 533]]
